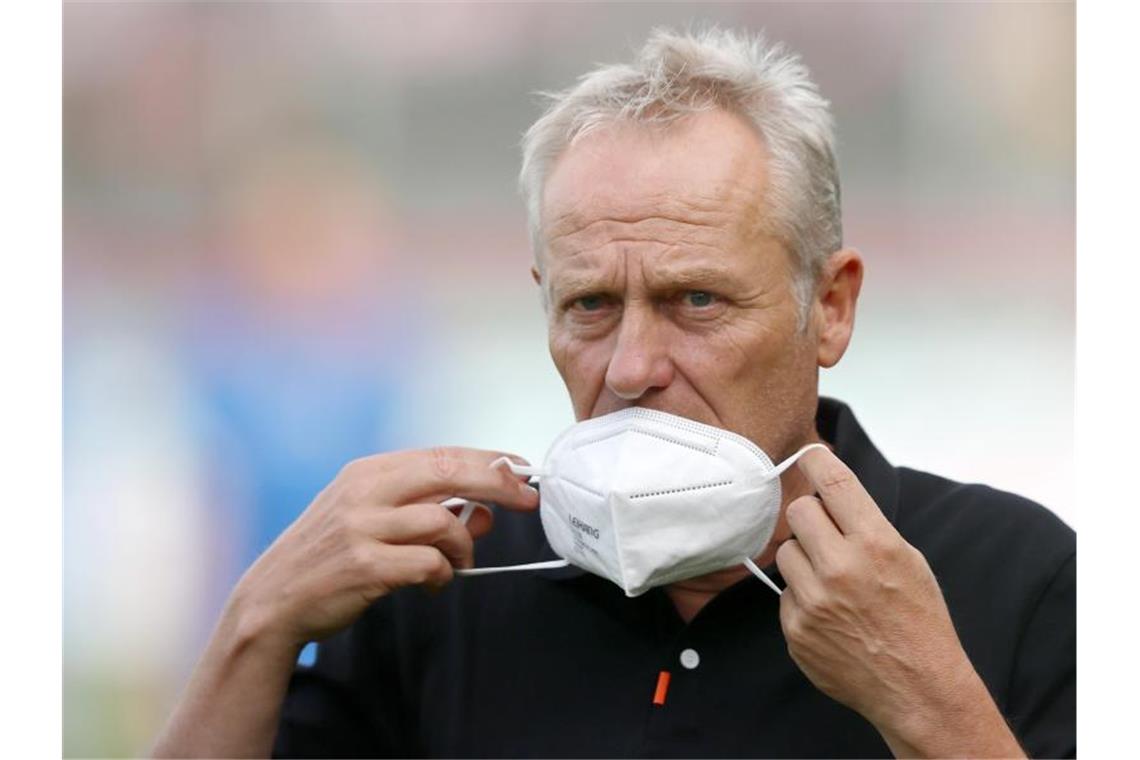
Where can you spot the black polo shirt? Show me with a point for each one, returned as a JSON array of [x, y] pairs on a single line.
[[562, 664]]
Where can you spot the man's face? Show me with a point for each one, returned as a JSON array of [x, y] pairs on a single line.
[[665, 290]]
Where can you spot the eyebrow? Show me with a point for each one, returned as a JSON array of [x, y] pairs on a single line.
[[577, 284], [690, 277], [661, 280]]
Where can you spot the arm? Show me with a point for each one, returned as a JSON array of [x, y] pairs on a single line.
[[866, 622], [230, 707], [377, 527], [959, 719]]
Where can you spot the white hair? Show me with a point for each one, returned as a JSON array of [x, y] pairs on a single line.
[[675, 75]]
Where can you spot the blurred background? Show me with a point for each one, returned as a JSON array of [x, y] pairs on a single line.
[[292, 238]]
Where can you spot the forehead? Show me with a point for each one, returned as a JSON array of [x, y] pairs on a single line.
[[706, 171]]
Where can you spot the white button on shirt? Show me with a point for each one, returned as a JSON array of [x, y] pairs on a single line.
[[690, 659]]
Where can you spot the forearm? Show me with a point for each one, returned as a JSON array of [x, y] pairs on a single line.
[[231, 706], [959, 720]]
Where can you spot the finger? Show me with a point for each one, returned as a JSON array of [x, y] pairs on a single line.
[[479, 520], [796, 568], [791, 621], [817, 534], [427, 525], [398, 565], [843, 496], [453, 471]]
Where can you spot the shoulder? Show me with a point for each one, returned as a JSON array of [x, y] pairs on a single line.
[[975, 536], [930, 501], [1007, 569]]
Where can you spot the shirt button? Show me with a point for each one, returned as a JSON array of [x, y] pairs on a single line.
[[690, 659]]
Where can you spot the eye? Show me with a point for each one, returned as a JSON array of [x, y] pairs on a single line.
[[589, 303], [699, 298]]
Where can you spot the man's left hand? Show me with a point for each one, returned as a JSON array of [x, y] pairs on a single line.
[[866, 622]]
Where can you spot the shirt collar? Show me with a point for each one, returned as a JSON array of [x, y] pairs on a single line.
[[836, 425]]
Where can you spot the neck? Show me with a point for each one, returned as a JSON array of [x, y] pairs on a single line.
[[691, 595]]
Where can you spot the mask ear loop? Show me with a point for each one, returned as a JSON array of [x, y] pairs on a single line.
[[775, 473], [519, 469], [469, 507], [779, 469], [752, 568]]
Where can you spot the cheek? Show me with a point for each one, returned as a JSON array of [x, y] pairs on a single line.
[[582, 365], [736, 353], [754, 374]]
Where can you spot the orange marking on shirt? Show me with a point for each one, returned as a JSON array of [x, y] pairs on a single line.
[[662, 687]]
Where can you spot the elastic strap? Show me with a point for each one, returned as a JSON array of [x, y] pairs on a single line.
[[760, 574], [779, 470], [547, 565], [518, 469], [465, 513], [775, 473]]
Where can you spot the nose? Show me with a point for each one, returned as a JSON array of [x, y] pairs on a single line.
[[640, 361]]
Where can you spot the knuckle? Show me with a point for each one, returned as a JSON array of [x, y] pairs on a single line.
[[892, 550], [794, 627], [834, 573], [349, 522], [355, 523], [353, 469], [444, 463], [355, 491], [835, 479], [916, 560], [361, 560], [354, 481], [882, 548], [869, 542]]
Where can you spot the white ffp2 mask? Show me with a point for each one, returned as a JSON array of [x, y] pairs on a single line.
[[645, 498]]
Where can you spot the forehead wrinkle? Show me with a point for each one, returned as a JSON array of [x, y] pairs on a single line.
[[581, 230], [585, 270], [664, 264], [632, 203]]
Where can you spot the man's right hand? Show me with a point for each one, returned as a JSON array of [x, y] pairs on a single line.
[[377, 527]]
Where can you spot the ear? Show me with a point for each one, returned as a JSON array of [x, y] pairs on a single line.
[[534, 273], [837, 295]]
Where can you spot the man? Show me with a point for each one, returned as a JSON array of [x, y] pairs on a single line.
[[685, 213]]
